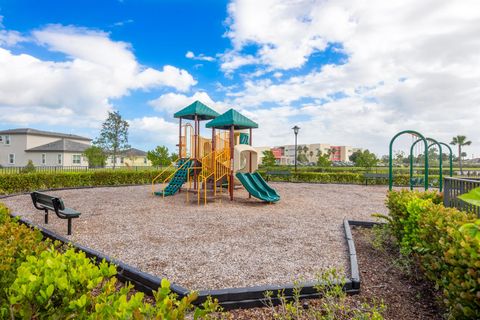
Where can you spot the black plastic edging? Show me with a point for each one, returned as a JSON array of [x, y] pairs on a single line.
[[230, 298]]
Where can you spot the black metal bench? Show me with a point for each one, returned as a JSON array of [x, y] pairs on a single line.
[[374, 176], [277, 173], [47, 203]]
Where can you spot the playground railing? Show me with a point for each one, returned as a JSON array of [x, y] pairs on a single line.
[[170, 167], [453, 187], [222, 165], [207, 171]]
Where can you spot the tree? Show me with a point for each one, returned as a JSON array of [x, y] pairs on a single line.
[[159, 156], [323, 160], [268, 158], [173, 157], [366, 159], [353, 157], [311, 153], [460, 141], [96, 156], [114, 135]]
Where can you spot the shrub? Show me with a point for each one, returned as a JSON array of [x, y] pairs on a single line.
[[333, 304], [56, 284], [37, 281], [340, 177], [446, 242], [17, 242], [12, 183], [28, 168]]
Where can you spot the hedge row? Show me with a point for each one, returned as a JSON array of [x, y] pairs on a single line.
[[446, 242], [40, 281], [341, 177], [399, 170], [13, 183]]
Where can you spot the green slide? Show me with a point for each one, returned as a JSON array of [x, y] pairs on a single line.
[[178, 179], [258, 187]]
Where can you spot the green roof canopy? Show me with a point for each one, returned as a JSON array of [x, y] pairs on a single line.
[[197, 108], [229, 118]]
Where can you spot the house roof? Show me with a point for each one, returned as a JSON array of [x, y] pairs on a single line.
[[229, 118], [44, 133], [202, 111], [62, 145], [134, 152]]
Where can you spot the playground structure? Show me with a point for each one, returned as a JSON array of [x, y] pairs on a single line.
[[425, 181], [210, 164]]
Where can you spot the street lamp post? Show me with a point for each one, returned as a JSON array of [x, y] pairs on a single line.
[[295, 130]]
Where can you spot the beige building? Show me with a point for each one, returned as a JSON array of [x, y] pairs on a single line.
[[130, 158], [18, 146]]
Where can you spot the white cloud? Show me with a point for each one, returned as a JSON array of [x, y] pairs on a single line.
[[10, 38], [286, 32], [408, 66], [77, 90], [173, 102], [153, 131], [201, 56]]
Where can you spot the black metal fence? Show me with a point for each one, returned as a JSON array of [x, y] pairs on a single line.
[[11, 170], [453, 187]]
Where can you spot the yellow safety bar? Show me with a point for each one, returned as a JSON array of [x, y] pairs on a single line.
[[207, 171], [189, 182], [161, 173], [169, 177]]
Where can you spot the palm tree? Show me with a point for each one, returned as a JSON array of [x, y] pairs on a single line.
[[460, 141]]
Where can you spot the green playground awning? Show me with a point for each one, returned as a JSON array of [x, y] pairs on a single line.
[[229, 118], [202, 111]]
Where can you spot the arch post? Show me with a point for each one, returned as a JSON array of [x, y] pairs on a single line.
[[440, 161], [390, 157]]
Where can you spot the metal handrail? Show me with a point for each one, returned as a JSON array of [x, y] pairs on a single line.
[[161, 173]]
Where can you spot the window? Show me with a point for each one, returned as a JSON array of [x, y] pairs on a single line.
[[44, 158], [145, 160], [59, 158], [1, 139], [11, 158], [7, 139], [76, 159], [122, 159]]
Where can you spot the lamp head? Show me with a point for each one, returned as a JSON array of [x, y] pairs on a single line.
[[295, 129]]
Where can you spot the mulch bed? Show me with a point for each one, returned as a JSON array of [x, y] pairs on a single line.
[[404, 296]]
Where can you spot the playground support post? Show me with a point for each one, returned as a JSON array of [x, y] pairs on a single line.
[[440, 183], [180, 138], [450, 157], [232, 144], [250, 155], [390, 157]]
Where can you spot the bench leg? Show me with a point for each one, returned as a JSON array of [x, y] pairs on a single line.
[[46, 216], [69, 227]]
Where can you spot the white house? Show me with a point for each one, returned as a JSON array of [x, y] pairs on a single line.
[[44, 148]]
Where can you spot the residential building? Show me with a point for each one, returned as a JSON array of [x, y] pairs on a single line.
[[285, 155], [43, 148], [130, 158]]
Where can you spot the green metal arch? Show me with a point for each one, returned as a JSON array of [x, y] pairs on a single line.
[[390, 158], [434, 142], [450, 157]]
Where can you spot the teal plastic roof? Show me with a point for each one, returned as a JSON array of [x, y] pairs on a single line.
[[229, 118], [202, 111]]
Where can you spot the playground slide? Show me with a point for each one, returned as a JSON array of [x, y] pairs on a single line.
[[179, 178], [257, 187]]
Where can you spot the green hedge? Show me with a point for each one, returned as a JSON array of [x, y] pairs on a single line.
[[446, 242], [341, 177], [37, 281], [12, 183]]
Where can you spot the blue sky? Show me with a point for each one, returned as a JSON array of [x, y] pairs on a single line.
[[347, 74]]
